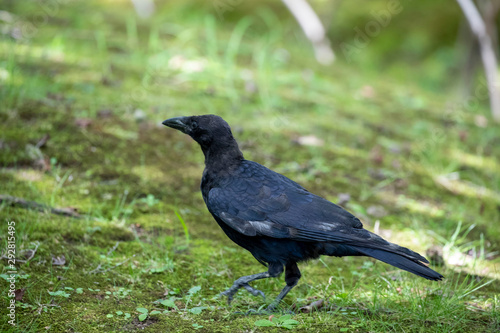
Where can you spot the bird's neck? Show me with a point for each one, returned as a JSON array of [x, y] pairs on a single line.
[[222, 155]]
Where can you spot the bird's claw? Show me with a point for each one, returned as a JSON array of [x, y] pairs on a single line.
[[231, 291], [253, 291], [229, 294]]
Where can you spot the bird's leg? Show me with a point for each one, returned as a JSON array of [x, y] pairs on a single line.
[[253, 291], [273, 271], [243, 282], [292, 277]]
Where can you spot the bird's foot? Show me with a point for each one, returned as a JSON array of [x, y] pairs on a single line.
[[271, 308], [253, 291], [229, 293], [234, 288], [274, 309]]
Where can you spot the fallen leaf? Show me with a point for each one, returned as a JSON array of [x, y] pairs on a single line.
[[104, 113], [316, 305], [463, 135], [19, 293], [27, 254], [59, 261], [178, 62], [343, 199], [251, 87], [376, 155], [377, 174], [43, 164], [56, 97], [376, 211], [43, 141], [435, 255], [70, 210], [83, 122], [367, 91], [310, 140], [481, 121]]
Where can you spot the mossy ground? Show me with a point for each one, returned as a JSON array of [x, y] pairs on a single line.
[[100, 83]]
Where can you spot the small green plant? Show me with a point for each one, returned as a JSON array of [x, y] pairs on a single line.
[[149, 200], [191, 292], [159, 266], [121, 292], [21, 276], [184, 226], [285, 321], [352, 327], [144, 313], [59, 293], [197, 326], [170, 303], [125, 315], [122, 210]]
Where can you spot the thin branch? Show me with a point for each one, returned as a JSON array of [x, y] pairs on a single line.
[[99, 270], [96, 270], [31, 254], [113, 248], [19, 202]]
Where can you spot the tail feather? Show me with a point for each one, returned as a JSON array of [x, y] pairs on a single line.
[[416, 265]]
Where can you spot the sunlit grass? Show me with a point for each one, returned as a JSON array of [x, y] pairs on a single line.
[[101, 83]]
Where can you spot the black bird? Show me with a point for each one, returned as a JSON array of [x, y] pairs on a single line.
[[276, 219]]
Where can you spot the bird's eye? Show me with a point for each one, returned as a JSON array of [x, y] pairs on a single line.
[[194, 124]]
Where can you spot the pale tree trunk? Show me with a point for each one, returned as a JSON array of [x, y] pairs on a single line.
[[313, 29], [144, 8], [489, 11], [488, 55]]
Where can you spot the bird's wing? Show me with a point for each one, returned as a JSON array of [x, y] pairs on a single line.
[[266, 203]]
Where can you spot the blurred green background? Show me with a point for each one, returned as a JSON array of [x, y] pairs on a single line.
[[397, 129]]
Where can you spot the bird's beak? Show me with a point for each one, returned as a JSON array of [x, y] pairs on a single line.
[[179, 123]]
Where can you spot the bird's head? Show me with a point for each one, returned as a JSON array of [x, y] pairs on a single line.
[[210, 131]]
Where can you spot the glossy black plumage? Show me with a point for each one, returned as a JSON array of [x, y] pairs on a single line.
[[276, 219]]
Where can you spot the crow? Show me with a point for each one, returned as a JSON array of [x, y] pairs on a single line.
[[276, 219]]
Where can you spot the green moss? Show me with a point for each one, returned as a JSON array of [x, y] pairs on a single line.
[[101, 97]]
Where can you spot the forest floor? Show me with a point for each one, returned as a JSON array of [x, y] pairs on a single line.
[[83, 98]]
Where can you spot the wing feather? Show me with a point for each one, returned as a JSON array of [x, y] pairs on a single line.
[[278, 207]]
